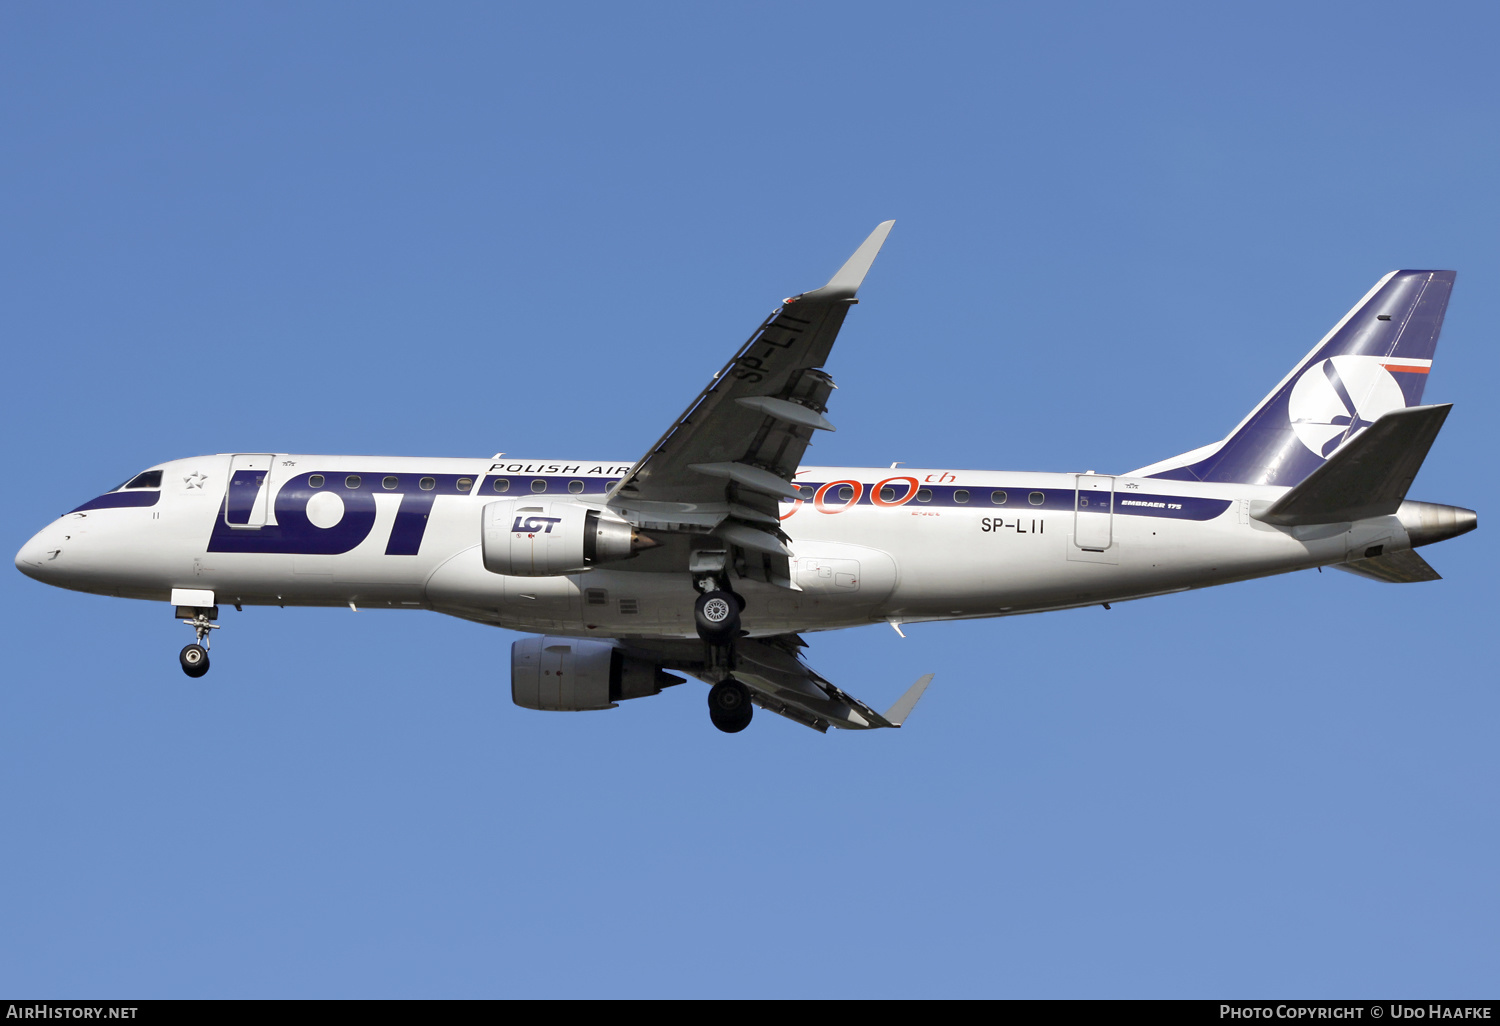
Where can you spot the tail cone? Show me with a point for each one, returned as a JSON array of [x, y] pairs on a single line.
[[1428, 522]]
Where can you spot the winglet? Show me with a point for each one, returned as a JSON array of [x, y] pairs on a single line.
[[846, 282], [897, 714]]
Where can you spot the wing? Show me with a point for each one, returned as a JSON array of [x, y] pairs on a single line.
[[779, 681], [722, 466]]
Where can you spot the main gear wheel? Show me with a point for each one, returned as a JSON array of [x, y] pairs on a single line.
[[717, 616], [729, 706]]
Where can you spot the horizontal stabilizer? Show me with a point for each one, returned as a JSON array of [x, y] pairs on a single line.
[[1404, 567], [897, 714], [1368, 476]]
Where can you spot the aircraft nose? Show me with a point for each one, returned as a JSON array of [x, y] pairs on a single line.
[[34, 556]]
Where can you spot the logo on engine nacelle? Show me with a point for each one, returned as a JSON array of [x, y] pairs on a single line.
[[534, 525]]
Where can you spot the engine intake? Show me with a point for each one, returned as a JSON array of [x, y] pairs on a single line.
[[573, 675], [534, 538]]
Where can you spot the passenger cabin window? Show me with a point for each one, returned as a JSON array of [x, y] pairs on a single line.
[[1036, 498], [576, 487], [924, 494], [845, 493], [998, 497], [887, 494], [150, 479], [389, 483], [539, 485], [502, 484], [961, 496], [351, 482], [427, 484], [464, 484], [316, 481]]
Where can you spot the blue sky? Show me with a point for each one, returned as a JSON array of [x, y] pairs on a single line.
[[465, 228]]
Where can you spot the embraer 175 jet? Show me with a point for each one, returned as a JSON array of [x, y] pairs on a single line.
[[714, 550]]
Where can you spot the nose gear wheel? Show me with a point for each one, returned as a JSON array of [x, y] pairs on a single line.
[[194, 660], [194, 657]]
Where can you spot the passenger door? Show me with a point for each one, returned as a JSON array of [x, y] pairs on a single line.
[[247, 501], [1093, 512]]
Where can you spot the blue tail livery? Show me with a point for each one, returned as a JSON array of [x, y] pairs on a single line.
[[1375, 360]]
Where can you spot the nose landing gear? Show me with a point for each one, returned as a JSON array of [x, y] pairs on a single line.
[[194, 657]]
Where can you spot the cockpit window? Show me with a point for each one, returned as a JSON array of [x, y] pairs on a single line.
[[150, 479]]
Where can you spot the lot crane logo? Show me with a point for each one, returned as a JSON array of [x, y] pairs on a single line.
[[1337, 398]]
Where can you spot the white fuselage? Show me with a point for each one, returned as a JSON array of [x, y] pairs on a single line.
[[897, 545]]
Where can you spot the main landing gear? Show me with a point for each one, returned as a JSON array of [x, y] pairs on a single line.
[[194, 657], [716, 614], [729, 706]]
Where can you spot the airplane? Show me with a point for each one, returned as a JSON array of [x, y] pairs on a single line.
[[716, 550]]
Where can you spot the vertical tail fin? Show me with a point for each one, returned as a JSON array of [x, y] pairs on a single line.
[[1374, 360]]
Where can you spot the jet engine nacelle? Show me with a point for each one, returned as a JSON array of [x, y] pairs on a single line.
[[573, 674], [534, 538]]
